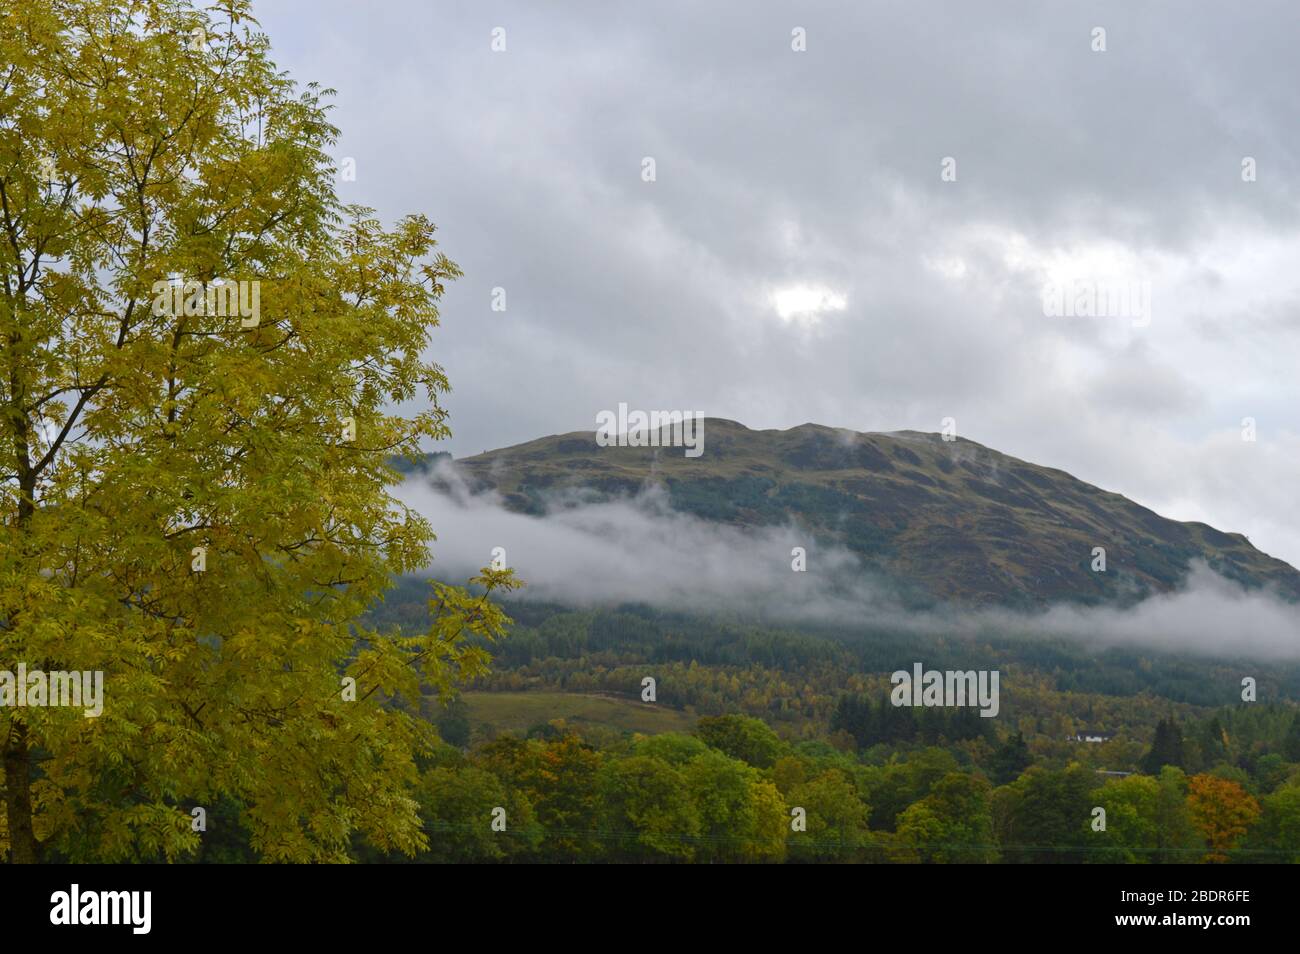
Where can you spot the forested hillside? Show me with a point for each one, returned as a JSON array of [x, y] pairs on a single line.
[[750, 724]]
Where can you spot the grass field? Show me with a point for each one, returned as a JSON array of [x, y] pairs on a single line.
[[519, 711]]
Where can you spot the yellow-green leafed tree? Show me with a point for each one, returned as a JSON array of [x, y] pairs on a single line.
[[198, 345]]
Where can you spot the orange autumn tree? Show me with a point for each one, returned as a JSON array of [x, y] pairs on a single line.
[[1222, 812]]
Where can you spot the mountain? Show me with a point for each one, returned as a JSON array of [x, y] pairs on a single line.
[[945, 520]]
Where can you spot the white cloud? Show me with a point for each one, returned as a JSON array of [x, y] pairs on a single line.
[[806, 304], [638, 550]]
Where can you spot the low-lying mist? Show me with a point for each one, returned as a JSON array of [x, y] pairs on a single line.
[[640, 550]]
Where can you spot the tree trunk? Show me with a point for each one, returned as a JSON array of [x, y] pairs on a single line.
[[23, 847]]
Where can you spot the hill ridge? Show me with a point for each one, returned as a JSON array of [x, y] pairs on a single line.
[[955, 520]]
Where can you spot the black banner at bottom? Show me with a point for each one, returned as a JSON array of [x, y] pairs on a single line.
[[214, 903]]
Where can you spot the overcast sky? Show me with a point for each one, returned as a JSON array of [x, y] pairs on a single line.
[[799, 256]]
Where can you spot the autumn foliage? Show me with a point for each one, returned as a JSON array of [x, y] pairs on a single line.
[[1222, 811]]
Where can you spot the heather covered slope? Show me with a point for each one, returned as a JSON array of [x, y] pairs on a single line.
[[946, 520]]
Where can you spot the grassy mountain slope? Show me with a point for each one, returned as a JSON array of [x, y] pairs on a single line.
[[952, 520]]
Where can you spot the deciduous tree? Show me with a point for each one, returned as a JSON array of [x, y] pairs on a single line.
[[1222, 811], [194, 494]]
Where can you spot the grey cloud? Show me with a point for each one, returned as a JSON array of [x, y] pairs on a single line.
[[779, 168]]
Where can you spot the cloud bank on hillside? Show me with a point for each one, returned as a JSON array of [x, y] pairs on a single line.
[[639, 550]]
